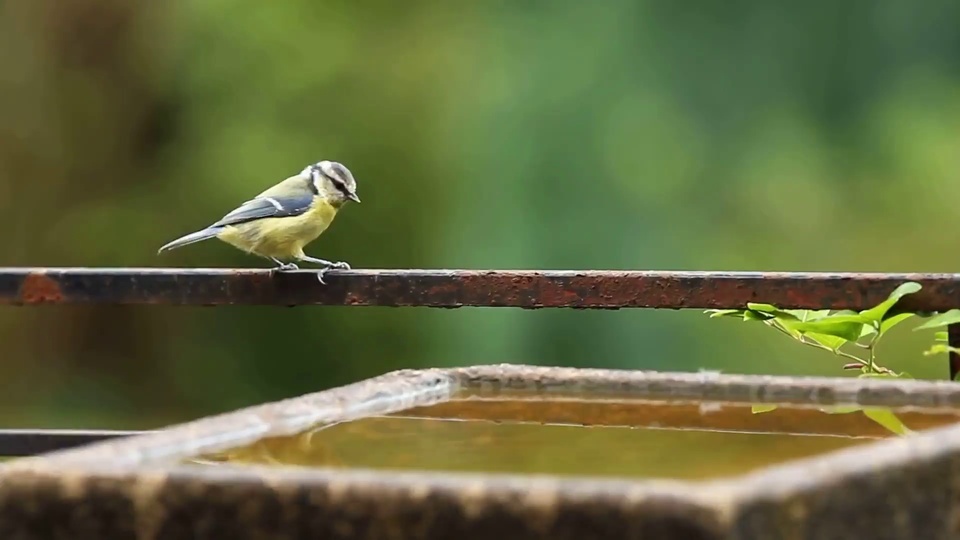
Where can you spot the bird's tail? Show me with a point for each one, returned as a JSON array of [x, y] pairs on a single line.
[[191, 238]]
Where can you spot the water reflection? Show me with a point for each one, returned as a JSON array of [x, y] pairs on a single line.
[[565, 435]]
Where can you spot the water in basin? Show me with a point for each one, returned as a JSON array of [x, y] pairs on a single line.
[[573, 435]]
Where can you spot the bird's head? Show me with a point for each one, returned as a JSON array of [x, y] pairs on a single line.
[[332, 179]]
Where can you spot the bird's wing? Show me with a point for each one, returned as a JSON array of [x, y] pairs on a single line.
[[265, 207]]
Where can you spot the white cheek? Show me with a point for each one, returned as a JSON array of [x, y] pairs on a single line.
[[316, 178]]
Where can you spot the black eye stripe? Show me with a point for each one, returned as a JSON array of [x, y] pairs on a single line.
[[339, 184]]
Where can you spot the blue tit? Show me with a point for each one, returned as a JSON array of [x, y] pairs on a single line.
[[279, 222]]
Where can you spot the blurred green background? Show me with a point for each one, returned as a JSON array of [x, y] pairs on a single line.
[[562, 134]]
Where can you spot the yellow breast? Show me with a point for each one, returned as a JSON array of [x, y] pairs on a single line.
[[282, 238]]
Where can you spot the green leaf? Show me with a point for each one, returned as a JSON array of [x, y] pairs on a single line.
[[724, 312], [877, 376], [882, 416], [841, 409], [762, 408], [847, 327], [800, 314], [940, 348], [785, 326], [832, 342], [878, 312], [750, 315], [941, 336], [810, 314], [772, 310], [943, 319], [887, 419], [889, 323], [817, 314]]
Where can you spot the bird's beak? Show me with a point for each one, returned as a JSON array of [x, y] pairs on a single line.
[[353, 197]]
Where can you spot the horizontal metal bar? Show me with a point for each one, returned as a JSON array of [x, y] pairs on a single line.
[[29, 442], [456, 288]]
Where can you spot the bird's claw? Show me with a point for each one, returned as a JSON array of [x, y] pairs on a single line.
[[286, 267], [339, 265]]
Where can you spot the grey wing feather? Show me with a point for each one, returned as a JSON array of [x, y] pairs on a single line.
[[266, 207], [258, 208]]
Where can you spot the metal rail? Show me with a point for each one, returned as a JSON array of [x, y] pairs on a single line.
[[481, 288]]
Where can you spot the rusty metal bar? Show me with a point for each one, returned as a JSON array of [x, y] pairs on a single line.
[[30, 442], [527, 289], [457, 288], [953, 339]]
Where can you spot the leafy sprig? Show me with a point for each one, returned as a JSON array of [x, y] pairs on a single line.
[[852, 336]]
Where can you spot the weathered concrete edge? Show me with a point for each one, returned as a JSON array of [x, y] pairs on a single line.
[[712, 386], [258, 502], [399, 390], [385, 394], [904, 486]]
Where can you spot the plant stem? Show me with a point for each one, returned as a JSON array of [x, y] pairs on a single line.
[[870, 363], [871, 351]]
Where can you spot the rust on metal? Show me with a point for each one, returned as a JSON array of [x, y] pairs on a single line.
[[526, 289], [38, 288], [484, 288]]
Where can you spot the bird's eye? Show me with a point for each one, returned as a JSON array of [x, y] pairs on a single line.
[[337, 175], [339, 184]]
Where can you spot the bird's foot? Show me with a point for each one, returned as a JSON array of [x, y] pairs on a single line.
[[325, 265], [286, 267], [339, 265]]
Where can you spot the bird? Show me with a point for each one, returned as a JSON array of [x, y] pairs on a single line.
[[280, 221]]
